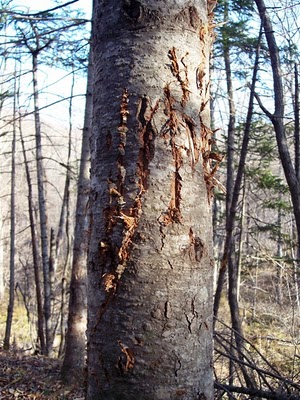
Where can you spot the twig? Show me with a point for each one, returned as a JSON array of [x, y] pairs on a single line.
[[256, 392]]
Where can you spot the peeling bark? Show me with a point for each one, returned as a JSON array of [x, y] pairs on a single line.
[[150, 269]]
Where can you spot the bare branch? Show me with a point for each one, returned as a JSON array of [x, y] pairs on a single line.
[[55, 8], [257, 392], [267, 112]]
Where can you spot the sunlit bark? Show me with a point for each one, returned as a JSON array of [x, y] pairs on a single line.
[[150, 270]]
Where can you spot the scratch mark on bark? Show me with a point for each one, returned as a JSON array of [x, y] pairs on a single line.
[[147, 133], [192, 139], [128, 363], [169, 131], [196, 248], [178, 365], [167, 309], [183, 81]]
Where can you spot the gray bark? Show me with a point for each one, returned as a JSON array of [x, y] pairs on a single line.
[[42, 206], [75, 353], [150, 269]]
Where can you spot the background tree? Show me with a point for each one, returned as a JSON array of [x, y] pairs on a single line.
[[10, 308], [75, 353], [40, 33]]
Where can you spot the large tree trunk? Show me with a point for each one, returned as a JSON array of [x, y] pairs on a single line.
[[75, 353], [150, 270]]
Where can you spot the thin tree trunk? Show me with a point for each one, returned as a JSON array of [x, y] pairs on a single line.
[[241, 241], [297, 169], [231, 119], [66, 225], [34, 249], [42, 206], [63, 220], [75, 348], [150, 270], [297, 123], [62, 318], [10, 308], [277, 118], [279, 254], [2, 286], [230, 221]]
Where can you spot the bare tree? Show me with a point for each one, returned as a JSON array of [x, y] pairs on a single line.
[[277, 117], [10, 308], [75, 353], [34, 249]]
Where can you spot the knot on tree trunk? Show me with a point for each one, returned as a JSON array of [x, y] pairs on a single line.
[[133, 10]]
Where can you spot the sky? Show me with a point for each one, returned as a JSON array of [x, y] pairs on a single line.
[[40, 5], [48, 76]]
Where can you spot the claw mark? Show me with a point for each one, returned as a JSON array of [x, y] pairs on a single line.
[[194, 315], [175, 69], [167, 309], [147, 134], [177, 366], [170, 130], [196, 247], [124, 108], [125, 365], [189, 323]]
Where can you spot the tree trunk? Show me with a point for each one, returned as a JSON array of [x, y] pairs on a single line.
[[241, 240], [65, 223], [2, 286], [10, 307], [35, 253], [150, 270], [42, 206], [277, 118], [230, 220], [231, 119], [64, 213], [75, 352], [279, 254], [297, 123]]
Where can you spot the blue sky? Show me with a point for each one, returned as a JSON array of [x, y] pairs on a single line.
[[40, 5], [48, 76]]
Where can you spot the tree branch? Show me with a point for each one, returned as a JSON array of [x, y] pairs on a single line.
[[267, 112], [257, 392], [55, 8]]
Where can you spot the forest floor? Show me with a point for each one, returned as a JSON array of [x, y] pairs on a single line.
[[33, 377]]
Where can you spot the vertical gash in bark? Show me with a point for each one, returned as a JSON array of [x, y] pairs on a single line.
[[150, 264]]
